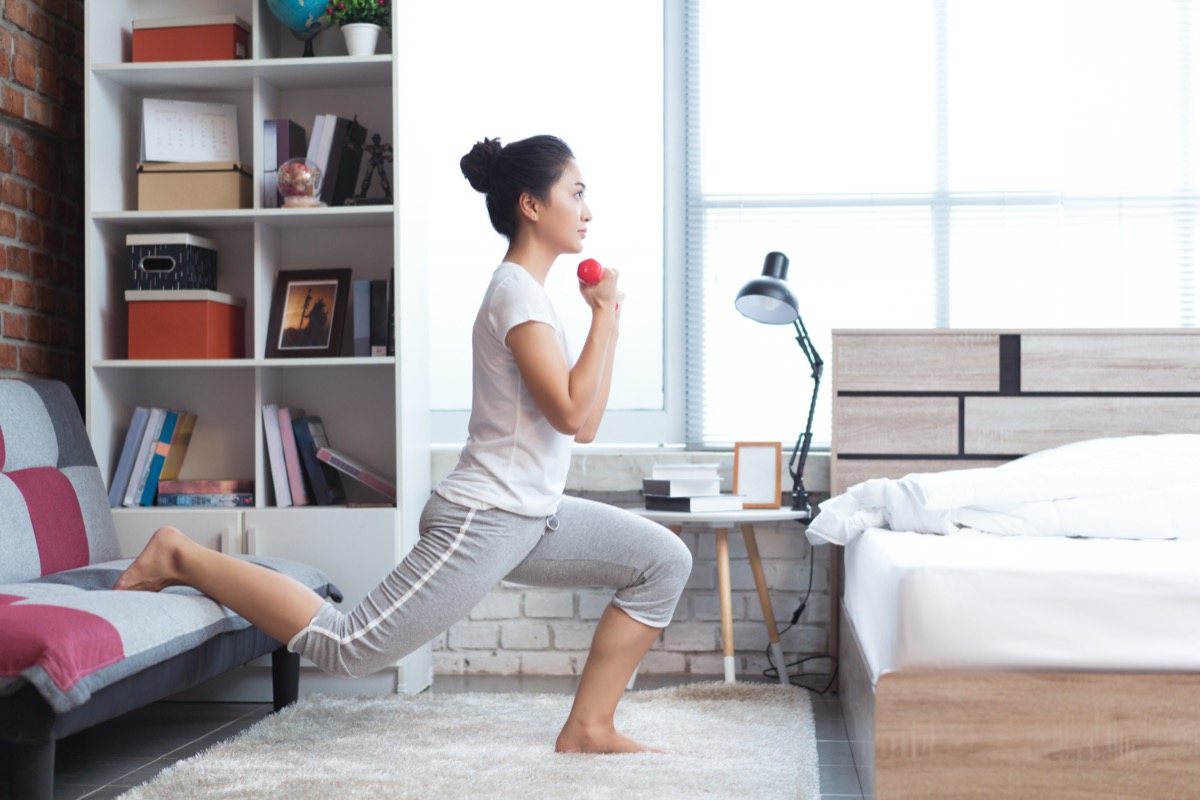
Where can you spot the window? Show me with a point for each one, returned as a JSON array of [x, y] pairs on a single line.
[[593, 76], [930, 163]]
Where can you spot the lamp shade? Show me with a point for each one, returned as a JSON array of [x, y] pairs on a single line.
[[768, 298]]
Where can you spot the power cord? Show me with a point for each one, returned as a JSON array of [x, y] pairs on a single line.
[[773, 670]]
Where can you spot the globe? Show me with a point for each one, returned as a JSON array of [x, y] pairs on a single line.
[[304, 18]]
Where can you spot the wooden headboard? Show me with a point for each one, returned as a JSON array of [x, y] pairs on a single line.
[[930, 400]]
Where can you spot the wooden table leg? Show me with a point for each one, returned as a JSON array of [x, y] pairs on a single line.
[[723, 585], [764, 599]]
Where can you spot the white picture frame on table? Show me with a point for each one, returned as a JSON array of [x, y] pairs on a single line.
[[756, 474]]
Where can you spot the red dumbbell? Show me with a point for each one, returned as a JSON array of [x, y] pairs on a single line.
[[590, 272]]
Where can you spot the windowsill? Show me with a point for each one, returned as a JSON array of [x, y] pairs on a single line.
[[620, 468]]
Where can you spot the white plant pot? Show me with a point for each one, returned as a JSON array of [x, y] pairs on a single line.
[[361, 38]]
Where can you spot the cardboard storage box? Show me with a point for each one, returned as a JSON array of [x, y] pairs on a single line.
[[212, 38], [188, 323], [171, 186], [171, 261]]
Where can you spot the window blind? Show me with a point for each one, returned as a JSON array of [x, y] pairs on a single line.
[[940, 163]]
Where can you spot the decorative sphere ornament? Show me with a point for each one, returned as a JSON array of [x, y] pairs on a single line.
[[304, 18], [299, 182]]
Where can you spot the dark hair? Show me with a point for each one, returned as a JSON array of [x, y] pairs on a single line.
[[504, 172]]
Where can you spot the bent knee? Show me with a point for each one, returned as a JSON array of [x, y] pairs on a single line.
[[677, 563]]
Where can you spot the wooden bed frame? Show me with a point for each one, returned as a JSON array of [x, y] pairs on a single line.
[[922, 401]]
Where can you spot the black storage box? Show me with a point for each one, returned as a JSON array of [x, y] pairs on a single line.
[[171, 261]]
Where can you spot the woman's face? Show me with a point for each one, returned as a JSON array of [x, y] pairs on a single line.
[[564, 223]]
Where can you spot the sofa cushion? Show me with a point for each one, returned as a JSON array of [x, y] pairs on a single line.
[[54, 512], [70, 635]]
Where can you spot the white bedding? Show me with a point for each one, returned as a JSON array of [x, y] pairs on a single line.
[[1134, 487], [979, 601]]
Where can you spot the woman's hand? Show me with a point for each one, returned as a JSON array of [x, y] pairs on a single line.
[[602, 295]]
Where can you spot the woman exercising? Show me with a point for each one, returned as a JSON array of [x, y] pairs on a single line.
[[501, 513]]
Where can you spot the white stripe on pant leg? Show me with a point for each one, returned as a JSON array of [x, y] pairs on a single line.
[[403, 599]]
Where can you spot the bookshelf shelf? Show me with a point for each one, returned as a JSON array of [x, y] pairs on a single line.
[[374, 408], [121, 222], [333, 72]]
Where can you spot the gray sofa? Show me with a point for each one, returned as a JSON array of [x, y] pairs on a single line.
[[72, 651]]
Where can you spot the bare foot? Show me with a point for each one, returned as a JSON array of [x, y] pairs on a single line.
[[157, 567], [579, 738]]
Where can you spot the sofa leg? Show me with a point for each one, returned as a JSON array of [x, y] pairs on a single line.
[[285, 677], [32, 773]]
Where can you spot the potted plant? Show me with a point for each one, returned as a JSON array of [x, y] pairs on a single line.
[[361, 21]]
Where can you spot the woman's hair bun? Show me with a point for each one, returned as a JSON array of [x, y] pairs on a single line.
[[477, 165]]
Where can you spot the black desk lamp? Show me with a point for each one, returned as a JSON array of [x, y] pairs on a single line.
[[769, 300]]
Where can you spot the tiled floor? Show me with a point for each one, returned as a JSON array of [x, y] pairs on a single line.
[[109, 759]]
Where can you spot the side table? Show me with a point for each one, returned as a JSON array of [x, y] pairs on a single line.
[[721, 521]]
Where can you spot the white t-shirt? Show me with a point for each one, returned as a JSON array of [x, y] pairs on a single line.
[[514, 459]]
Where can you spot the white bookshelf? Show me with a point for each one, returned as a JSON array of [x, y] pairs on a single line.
[[374, 408]]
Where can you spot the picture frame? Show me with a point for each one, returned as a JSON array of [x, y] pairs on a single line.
[[756, 474], [308, 313]]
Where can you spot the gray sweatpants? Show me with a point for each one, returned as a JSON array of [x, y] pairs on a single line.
[[463, 554]]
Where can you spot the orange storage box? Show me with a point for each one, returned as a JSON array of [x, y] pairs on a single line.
[[214, 38], [185, 323]]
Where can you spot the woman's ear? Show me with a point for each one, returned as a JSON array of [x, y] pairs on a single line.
[[529, 206]]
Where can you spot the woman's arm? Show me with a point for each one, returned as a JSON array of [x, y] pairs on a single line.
[[566, 396], [590, 427]]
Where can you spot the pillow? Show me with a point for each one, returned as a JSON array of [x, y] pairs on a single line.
[[54, 512]]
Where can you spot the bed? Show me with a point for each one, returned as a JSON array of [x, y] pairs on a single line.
[[1062, 658]]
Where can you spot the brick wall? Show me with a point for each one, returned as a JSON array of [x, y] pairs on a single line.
[[41, 190], [532, 631]]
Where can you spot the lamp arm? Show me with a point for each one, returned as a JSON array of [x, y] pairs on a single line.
[[800, 500]]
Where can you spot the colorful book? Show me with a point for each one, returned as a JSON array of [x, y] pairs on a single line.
[[291, 458], [379, 317], [326, 482], [179, 447], [720, 502], [283, 140], [391, 312], [158, 457], [361, 303], [314, 141], [137, 477], [279, 476], [222, 499], [681, 487], [357, 470], [345, 160], [206, 486], [320, 147], [270, 188], [133, 440]]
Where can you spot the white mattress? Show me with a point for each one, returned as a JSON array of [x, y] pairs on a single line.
[[979, 601]]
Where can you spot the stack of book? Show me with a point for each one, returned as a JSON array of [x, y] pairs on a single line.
[[687, 487], [283, 140], [374, 322], [336, 146], [305, 469], [154, 448]]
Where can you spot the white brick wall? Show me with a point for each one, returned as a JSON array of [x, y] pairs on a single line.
[[537, 631]]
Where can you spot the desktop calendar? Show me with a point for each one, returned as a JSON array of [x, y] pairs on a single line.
[[181, 130]]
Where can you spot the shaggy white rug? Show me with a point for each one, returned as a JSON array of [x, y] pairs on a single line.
[[752, 741]]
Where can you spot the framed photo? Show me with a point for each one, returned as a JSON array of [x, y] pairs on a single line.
[[308, 313], [756, 473]]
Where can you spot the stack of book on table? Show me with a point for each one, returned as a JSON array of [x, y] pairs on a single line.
[[687, 487]]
